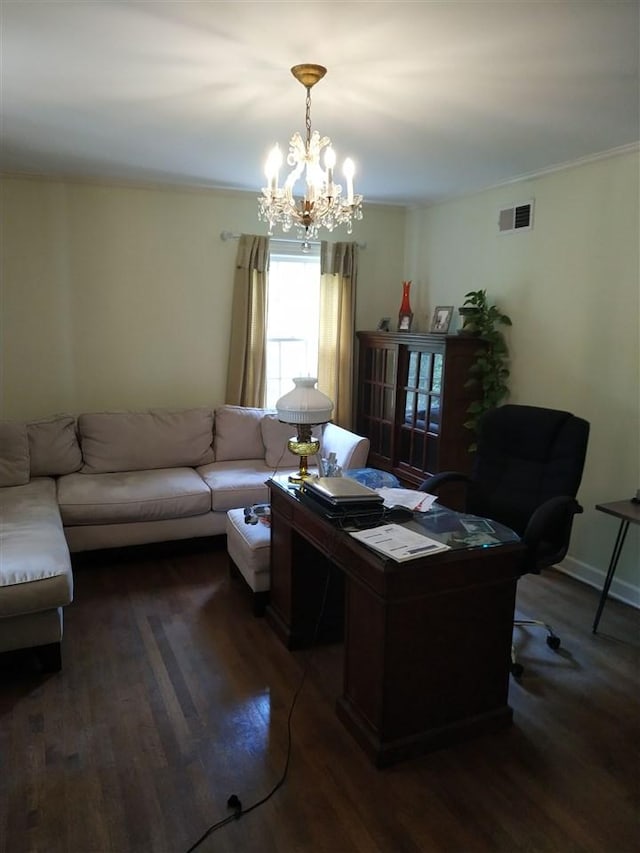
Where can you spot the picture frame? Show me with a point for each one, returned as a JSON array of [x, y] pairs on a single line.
[[441, 321], [404, 322], [384, 324]]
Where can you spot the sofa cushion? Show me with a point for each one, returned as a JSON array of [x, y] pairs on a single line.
[[137, 441], [35, 569], [275, 435], [236, 484], [132, 496], [54, 447], [14, 454], [237, 433]]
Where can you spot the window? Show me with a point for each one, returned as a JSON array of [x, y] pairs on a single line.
[[293, 311]]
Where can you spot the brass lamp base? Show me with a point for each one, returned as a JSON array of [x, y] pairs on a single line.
[[303, 445]]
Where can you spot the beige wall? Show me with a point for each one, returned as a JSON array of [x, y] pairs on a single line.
[[572, 289], [120, 296]]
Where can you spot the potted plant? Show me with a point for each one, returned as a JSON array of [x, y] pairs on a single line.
[[490, 371]]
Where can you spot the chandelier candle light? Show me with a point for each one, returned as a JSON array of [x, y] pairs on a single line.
[[304, 407], [323, 204]]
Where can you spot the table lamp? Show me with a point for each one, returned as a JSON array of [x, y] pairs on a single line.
[[304, 408]]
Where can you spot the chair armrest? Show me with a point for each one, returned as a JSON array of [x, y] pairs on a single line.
[[432, 484], [555, 511], [548, 531]]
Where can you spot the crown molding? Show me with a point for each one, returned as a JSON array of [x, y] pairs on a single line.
[[631, 148]]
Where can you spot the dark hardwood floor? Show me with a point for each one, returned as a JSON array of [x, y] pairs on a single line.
[[173, 697]]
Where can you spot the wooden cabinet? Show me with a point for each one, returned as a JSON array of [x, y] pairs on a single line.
[[412, 402]]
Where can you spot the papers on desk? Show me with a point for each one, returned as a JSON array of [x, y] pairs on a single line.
[[398, 542], [409, 498]]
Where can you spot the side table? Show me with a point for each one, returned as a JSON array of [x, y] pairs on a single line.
[[628, 513]]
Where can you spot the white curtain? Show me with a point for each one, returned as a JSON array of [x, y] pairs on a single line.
[[339, 273], [246, 372]]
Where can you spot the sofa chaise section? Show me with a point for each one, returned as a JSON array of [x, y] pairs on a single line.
[[36, 581]]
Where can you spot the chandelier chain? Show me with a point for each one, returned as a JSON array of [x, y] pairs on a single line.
[[308, 118]]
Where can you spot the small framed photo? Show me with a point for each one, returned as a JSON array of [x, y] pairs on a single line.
[[442, 319], [384, 324], [404, 322]]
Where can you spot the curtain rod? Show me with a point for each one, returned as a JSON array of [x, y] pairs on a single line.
[[231, 235]]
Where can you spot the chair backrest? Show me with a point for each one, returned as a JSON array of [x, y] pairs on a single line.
[[525, 456]]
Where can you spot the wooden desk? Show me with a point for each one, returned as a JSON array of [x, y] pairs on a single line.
[[427, 643], [628, 513]]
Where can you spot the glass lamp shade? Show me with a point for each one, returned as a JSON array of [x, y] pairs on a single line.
[[304, 407], [305, 404]]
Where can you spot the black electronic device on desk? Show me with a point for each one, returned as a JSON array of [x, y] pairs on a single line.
[[398, 514], [341, 492], [343, 500]]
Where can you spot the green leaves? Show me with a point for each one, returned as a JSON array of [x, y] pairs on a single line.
[[490, 371]]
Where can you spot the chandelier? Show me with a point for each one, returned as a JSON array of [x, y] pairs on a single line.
[[323, 204]]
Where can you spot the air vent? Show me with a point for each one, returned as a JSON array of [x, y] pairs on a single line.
[[519, 217]]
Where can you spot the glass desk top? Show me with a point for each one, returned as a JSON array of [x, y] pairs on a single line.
[[458, 530]]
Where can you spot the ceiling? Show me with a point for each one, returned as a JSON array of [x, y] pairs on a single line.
[[431, 99]]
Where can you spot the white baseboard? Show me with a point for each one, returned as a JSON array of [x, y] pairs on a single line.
[[620, 589]]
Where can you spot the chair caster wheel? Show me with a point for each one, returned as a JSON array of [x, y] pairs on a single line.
[[553, 642], [516, 670]]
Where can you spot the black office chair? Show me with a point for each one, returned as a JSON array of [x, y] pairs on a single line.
[[526, 473]]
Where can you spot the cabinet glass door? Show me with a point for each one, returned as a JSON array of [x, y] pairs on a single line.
[[419, 428], [378, 396]]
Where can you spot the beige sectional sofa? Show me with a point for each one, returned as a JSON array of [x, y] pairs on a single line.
[[111, 479]]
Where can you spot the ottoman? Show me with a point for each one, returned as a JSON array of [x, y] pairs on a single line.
[[249, 549]]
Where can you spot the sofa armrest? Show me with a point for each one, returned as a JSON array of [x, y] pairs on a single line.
[[351, 450]]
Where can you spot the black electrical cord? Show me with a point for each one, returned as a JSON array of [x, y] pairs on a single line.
[[234, 801]]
